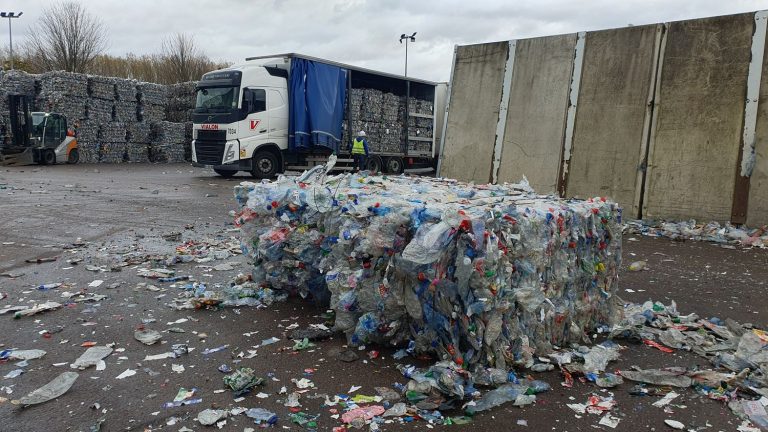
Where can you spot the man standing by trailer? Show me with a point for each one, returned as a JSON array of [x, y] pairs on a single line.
[[360, 150]]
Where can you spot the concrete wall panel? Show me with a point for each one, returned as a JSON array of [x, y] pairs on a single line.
[[757, 212], [696, 141], [610, 117], [474, 111], [538, 101]]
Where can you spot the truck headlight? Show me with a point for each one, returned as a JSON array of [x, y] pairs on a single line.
[[231, 151]]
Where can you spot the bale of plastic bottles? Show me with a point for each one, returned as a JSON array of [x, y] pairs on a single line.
[[477, 274]]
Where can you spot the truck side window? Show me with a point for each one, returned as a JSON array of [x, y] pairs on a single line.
[[259, 97]]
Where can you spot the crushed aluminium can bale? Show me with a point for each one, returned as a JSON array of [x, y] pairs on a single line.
[[489, 274]]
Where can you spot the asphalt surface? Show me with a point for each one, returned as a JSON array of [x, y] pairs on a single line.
[[121, 208]]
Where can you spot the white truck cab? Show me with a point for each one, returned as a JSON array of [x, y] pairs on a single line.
[[241, 119]]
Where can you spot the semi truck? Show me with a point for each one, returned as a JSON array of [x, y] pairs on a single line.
[[285, 112]]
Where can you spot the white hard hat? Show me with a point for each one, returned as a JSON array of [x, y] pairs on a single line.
[[362, 133]]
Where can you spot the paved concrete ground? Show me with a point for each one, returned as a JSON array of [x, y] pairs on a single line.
[[122, 208]]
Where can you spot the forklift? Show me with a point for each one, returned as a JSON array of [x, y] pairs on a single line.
[[37, 137]]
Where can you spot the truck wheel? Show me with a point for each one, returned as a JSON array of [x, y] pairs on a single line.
[[225, 173], [264, 164], [49, 157], [73, 157], [374, 164], [394, 165]]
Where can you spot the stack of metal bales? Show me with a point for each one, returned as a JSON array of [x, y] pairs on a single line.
[[152, 100], [126, 101], [380, 115], [63, 92], [490, 275], [181, 102], [168, 141], [12, 82], [138, 138], [113, 144], [120, 120]]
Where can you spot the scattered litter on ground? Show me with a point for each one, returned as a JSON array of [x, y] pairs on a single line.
[[57, 387], [147, 337], [91, 357]]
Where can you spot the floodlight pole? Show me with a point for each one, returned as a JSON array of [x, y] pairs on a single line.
[[411, 38], [10, 15]]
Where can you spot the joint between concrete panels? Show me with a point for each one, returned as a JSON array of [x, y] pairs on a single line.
[[753, 93], [501, 124], [573, 101]]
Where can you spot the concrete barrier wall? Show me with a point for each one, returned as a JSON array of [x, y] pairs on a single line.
[[478, 71], [670, 96], [610, 128], [697, 137], [535, 122]]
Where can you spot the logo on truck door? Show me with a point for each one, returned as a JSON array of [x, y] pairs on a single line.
[[255, 124]]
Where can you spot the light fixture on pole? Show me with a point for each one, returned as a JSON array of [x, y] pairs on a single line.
[[407, 38], [10, 15]]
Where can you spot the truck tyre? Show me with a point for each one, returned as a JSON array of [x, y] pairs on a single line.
[[393, 165], [264, 164], [374, 164], [225, 173], [49, 157], [73, 157]]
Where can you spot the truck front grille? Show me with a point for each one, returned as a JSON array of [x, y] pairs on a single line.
[[209, 146]]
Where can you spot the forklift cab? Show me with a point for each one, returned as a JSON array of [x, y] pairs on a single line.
[[53, 140], [49, 130], [37, 137]]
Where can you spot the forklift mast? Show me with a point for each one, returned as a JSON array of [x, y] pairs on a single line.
[[21, 121]]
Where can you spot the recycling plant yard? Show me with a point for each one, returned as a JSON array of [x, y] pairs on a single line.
[[157, 313]]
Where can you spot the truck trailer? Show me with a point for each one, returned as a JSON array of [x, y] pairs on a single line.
[[290, 112]]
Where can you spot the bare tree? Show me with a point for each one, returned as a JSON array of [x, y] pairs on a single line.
[[183, 59], [66, 37]]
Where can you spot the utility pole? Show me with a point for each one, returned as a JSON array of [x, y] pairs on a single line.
[[10, 15], [411, 38]]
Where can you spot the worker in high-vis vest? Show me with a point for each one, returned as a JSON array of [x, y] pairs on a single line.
[[360, 150]]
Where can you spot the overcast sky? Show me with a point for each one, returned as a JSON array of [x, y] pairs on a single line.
[[364, 33]]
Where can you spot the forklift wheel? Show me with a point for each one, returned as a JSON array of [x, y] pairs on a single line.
[[49, 157], [74, 156]]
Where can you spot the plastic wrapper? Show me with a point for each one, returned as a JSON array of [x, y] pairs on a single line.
[[487, 275]]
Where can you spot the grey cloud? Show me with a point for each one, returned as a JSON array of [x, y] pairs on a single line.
[[365, 33]]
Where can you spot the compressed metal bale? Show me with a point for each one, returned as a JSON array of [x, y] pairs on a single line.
[[101, 87], [138, 132], [151, 113], [489, 275], [112, 132], [151, 93], [100, 110], [126, 111], [64, 83], [73, 107], [137, 152], [113, 152], [168, 142], [125, 90]]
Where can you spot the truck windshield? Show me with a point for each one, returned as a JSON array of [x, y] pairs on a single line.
[[216, 99]]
